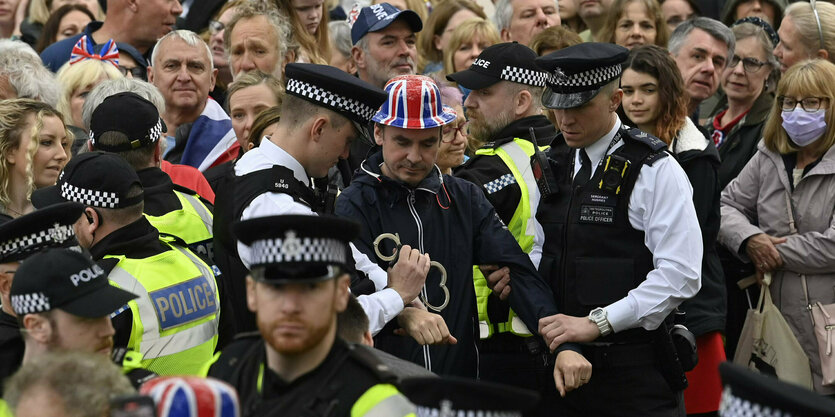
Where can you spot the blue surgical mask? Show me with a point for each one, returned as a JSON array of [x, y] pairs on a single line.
[[804, 127]]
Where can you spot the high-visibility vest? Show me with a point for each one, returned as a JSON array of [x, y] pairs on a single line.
[[516, 155], [175, 317], [192, 224]]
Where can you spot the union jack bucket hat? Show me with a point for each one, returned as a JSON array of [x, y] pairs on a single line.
[[414, 102]]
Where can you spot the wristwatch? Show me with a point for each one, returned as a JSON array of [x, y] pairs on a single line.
[[598, 317]]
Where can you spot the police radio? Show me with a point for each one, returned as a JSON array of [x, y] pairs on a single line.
[[541, 169]]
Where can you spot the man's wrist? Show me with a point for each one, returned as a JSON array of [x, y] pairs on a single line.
[[599, 317]]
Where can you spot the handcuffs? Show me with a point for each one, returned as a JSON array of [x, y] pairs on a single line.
[[392, 259]]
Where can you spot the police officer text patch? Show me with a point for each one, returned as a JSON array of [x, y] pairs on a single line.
[[185, 302], [597, 214]]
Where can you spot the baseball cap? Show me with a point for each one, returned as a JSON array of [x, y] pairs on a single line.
[[50, 227], [577, 73], [96, 179], [127, 113], [378, 16], [65, 279], [298, 248], [509, 61]]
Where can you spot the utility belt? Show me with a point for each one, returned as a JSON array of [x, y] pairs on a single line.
[[510, 343], [617, 355]]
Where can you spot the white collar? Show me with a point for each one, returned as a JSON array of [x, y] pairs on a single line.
[[279, 156], [597, 150]]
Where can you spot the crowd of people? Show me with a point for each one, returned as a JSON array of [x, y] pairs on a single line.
[[408, 207]]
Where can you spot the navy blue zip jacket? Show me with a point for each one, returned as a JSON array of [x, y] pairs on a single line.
[[452, 221]]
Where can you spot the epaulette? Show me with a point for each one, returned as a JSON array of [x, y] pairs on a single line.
[[655, 156], [189, 191], [366, 357], [643, 137]]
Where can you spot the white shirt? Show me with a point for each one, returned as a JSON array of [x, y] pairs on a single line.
[[380, 307], [671, 233]]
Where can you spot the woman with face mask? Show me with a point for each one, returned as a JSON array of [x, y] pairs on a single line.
[[778, 213]]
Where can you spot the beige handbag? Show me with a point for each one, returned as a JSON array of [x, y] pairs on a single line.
[[823, 321], [768, 345]]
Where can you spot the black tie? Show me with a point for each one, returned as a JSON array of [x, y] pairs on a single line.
[[583, 175]]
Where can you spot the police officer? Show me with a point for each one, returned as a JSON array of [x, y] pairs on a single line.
[[400, 197], [502, 108], [622, 242], [19, 239], [324, 110], [129, 126], [63, 301], [296, 288], [172, 328]]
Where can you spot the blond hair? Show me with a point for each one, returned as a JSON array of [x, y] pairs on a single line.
[[806, 26], [805, 79], [467, 31], [317, 47], [73, 77], [13, 115]]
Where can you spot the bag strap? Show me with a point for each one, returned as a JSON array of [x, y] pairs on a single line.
[[793, 230]]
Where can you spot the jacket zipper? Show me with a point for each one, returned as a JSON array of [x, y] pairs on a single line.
[[427, 359]]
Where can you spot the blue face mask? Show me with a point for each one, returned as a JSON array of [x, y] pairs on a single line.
[[804, 127]]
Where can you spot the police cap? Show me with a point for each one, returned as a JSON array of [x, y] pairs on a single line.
[[297, 248], [459, 397], [748, 393], [334, 89], [132, 116], [65, 279], [49, 227], [96, 179], [509, 61], [578, 72]]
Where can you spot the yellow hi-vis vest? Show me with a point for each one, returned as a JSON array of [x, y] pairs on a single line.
[[192, 224], [175, 317], [517, 156]]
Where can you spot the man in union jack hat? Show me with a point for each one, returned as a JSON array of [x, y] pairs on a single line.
[[400, 198]]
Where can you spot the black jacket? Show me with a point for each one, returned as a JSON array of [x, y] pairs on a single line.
[[451, 220], [11, 347], [741, 142], [330, 389], [698, 157]]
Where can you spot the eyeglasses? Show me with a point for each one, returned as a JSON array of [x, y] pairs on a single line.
[[450, 131], [136, 72], [808, 103], [818, 20], [216, 26], [748, 64]]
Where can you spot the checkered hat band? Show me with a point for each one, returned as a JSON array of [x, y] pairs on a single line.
[[524, 76], [590, 78], [87, 197], [57, 234], [330, 99], [30, 303], [435, 412], [324, 250], [733, 406], [151, 136]]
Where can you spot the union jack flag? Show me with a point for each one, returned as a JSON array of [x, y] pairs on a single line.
[[192, 397], [84, 50]]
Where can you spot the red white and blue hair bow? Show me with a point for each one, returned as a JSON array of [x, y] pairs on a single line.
[[83, 50]]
